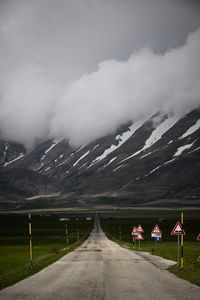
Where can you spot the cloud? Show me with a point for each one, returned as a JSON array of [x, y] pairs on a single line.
[[53, 86], [119, 91], [26, 106]]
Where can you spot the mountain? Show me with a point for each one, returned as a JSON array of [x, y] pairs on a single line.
[[154, 161]]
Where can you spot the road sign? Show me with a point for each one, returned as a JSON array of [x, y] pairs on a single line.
[[198, 258], [139, 237], [178, 230], [134, 232], [156, 229], [198, 238], [140, 229], [156, 235]]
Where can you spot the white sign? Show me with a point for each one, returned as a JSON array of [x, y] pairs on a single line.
[[156, 235]]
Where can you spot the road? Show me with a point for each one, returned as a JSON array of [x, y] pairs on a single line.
[[101, 269]]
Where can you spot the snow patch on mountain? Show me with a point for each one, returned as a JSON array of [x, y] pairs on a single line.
[[191, 130], [121, 138], [81, 158], [156, 135], [183, 148], [152, 171], [48, 168], [155, 169], [110, 162], [79, 149], [95, 147], [17, 158], [119, 167], [49, 149], [146, 155], [63, 162], [194, 150], [169, 161]]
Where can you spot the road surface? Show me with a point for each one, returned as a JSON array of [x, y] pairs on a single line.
[[101, 269]]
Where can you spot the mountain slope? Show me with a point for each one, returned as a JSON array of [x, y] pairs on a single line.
[[151, 162]]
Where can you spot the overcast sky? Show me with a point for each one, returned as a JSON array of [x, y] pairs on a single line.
[[78, 69]]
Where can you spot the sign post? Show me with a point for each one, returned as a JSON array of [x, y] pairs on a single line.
[[139, 236], [134, 233], [30, 242], [156, 233], [179, 231]]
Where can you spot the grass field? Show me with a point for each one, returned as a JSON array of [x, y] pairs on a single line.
[[49, 243], [120, 230]]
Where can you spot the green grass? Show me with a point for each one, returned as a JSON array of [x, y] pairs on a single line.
[[167, 248], [49, 243]]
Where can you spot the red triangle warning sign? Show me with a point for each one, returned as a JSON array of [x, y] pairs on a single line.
[[198, 238], [139, 237], [140, 229], [156, 229], [178, 230]]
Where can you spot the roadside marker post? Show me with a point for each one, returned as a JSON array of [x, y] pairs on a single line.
[[198, 239], [30, 242], [78, 237], [120, 233], [179, 231], [182, 261], [66, 232]]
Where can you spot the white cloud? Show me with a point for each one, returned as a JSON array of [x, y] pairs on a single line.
[[97, 103], [46, 45]]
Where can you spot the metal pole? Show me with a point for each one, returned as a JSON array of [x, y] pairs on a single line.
[[30, 242], [182, 261], [120, 233], [139, 244]]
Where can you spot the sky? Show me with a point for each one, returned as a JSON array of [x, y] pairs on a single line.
[[79, 69]]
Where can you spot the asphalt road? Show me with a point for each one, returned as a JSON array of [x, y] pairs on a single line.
[[101, 269]]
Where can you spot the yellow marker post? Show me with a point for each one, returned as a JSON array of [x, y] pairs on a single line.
[[30, 242], [182, 261]]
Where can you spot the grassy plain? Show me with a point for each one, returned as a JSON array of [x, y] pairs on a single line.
[[119, 230], [49, 242]]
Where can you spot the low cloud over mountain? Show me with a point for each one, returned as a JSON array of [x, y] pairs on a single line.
[[39, 95]]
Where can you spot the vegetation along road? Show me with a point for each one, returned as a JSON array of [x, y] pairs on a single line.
[[102, 269]]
